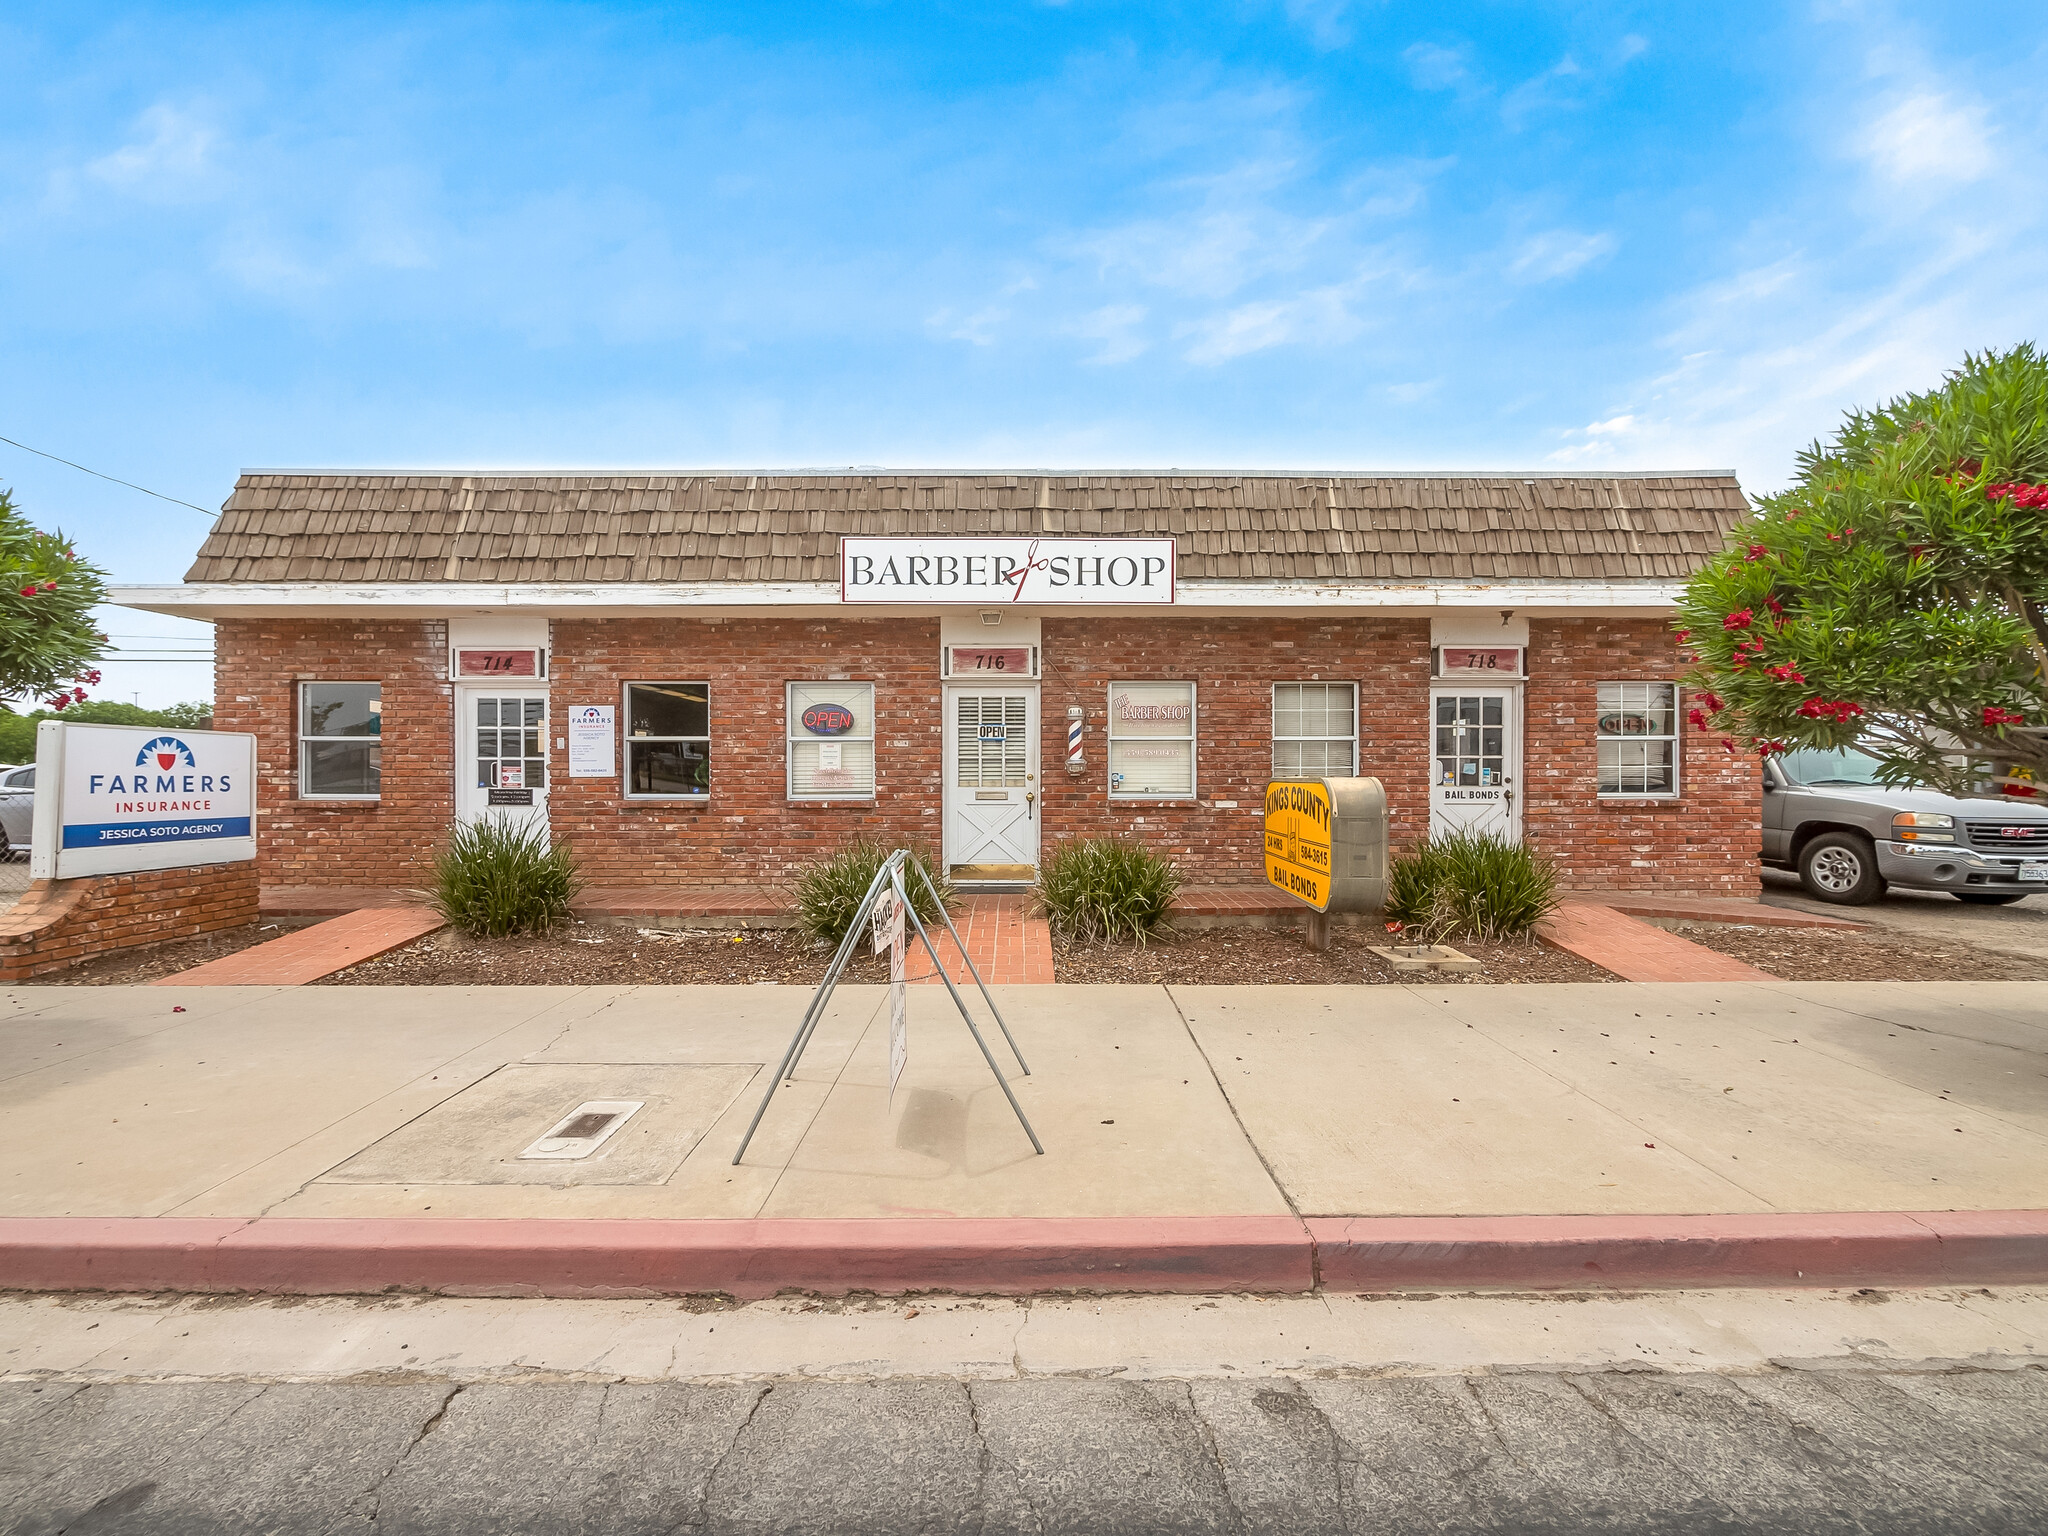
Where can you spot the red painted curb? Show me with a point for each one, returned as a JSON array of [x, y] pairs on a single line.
[[1396, 1253], [746, 1259], [1197, 1254]]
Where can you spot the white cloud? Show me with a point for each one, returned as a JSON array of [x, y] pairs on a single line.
[[1557, 253], [1925, 138], [1115, 327], [169, 162], [1436, 69], [1327, 22], [1318, 317]]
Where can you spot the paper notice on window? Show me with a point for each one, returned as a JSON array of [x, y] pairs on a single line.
[[593, 746], [829, 756]]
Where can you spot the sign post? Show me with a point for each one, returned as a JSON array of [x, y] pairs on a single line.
[[1326, 846], [112, 799]]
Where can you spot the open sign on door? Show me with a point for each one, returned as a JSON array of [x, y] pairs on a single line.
[[996, 732]]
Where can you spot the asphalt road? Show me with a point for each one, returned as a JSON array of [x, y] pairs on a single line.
[[1795, 1451], [2019, 929]]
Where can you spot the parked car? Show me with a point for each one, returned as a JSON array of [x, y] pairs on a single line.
[[17, 811], [1850, 837]]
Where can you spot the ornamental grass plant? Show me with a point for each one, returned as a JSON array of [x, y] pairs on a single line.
[[1106, 888], [1468, 885], [828, 892], [496, 877]]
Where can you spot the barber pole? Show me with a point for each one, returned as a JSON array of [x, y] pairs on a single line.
[[1074, 746]]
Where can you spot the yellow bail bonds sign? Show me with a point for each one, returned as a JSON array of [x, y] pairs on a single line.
[[1298, 840], [1326, 842]]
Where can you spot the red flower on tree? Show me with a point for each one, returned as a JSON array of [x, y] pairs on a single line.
[[1840, 710], [2019, 495], [1994, 716], [1713, 701], [1785, 672], [1740, 619]]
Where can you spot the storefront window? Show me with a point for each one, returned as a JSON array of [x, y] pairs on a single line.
[[831, 741], [668, 740], [340, 748], [1151, 741], [1315, 730], [1638, 738]]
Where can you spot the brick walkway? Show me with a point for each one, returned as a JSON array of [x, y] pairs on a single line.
[[309, 954], [1005, 941], [1637, 951]]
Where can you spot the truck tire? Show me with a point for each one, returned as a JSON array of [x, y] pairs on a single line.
[[1991, 898], [1841, 867]]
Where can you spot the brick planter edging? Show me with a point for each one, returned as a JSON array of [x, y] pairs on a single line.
[[61, 922], [1002, 1256]]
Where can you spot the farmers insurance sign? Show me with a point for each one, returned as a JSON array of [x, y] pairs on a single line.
[[1020, 570], [115, 798]]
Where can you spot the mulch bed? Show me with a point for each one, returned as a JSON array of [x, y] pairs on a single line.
[[597, 955], [1875, 954], [132, 968], [1249, 956], [603, 954]]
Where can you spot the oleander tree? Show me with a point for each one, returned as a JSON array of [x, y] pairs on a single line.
[[48, 638], [1895, 598]]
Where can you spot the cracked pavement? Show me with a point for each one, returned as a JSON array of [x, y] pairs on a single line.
[[1863, 1411], [1794, 1451]]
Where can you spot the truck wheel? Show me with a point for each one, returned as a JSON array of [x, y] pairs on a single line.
[[1990, 898], [1842, 868]]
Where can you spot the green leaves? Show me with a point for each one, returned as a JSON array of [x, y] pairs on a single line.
[[1106, 888], [1896, 603], [48, 640]]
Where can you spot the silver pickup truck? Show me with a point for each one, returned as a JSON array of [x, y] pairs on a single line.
[[1849, 836]]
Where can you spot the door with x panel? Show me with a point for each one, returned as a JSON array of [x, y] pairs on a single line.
[[992, 784]]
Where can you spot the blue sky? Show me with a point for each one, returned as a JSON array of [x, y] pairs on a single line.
[[1290, 235]]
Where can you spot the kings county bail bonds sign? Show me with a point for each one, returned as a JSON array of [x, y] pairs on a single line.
[[115, 798], [1021, 570]]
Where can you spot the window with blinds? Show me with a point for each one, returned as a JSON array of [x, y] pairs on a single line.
[[989, 740], [831, 741]]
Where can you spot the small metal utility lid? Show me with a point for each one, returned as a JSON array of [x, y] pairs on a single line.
[[584, 1129]]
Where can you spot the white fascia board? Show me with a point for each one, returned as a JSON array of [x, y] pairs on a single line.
[[227, 600]]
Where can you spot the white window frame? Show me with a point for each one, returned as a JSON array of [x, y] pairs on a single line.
[[1193, 740], [791, 736], [1274, 717], [299, 732], [627, 738], [1676, 738]]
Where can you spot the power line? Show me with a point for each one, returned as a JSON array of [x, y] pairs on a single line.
[[159, 495]]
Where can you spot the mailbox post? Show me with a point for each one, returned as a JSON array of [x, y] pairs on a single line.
[[1326, 846]]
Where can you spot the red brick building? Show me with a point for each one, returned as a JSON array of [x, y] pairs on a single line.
[[707, 680]]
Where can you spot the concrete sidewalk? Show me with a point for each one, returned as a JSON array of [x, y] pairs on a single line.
[[1734, 1101]]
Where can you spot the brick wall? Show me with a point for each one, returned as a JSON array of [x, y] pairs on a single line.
[[748, 833], [388, 841], [1234, 663], [1704, 842], [61, 922]]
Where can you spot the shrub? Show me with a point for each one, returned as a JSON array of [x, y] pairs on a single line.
[[495, 877], [1468, 885], [828, 892], [1106, 888]]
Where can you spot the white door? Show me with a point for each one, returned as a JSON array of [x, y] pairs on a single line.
[[992, 784], [1476, 761], [501, 754]]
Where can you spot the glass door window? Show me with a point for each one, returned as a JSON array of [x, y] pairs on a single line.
[[511, 743], [1471, 736]]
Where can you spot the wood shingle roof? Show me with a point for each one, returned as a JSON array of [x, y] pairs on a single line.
[[517, 528]]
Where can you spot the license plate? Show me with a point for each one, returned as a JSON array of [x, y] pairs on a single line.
[[2035, 872]]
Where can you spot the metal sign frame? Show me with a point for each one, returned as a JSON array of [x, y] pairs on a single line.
[[890, 878]]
